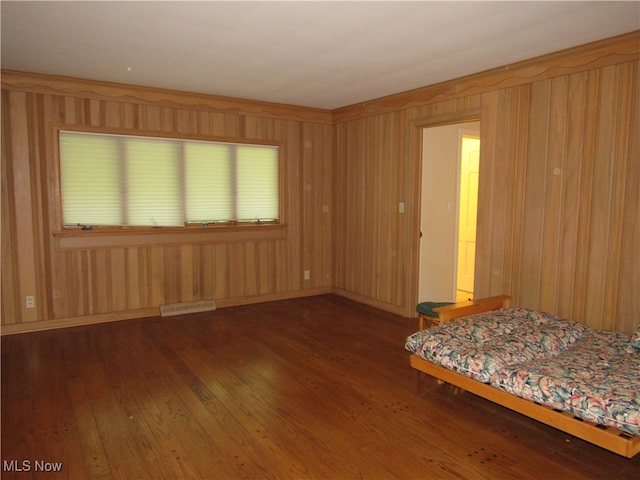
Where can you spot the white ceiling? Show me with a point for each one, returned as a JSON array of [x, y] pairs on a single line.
[[325, 54]]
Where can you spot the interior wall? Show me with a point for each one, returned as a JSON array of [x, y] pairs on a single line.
[[558, 205], [77, 280], [558, 219]]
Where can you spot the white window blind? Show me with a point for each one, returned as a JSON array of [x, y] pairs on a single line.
[[152, 182], [254, 166], [90, 179], [209, 191], [118, 180]]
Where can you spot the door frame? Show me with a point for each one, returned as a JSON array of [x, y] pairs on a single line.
[[417, 147]]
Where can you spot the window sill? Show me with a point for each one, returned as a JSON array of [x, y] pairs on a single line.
[[113, 238]]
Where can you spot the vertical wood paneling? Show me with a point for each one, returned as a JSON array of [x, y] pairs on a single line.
[[251, 273], [44, 253], [100, 276], [628, 298], [591, 123], [187, 280], [535, 194], [620, 140], [263, 272], [317, 174], [572, 173], [504, 133], [490, 148], [115, 269], [133, 282], [604, 166], [237, 271], [220, 275], [10, 294], [157, 275], [515, 186], [171, 270], [80, 283], [558, 208], [290, 266], [554, 213], [564, 240], [26, 242]]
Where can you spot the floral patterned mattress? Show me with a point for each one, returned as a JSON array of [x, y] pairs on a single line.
[[598, 379], [592, 374], [481, 344]]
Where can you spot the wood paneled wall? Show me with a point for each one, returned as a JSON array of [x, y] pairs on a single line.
[[559, 209], [82, 280], [559, 214]]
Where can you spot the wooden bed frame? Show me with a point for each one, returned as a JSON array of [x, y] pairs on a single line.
[[609, 438]]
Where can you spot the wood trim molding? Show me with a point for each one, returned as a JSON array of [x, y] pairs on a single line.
[[387, 307], [611, 51], [72, 239], [85, 320], [116, 92]]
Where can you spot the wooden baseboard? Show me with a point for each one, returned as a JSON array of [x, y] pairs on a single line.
[[387, 307], [26, 327]]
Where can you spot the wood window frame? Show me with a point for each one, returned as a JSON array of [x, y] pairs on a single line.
[[123, 236]]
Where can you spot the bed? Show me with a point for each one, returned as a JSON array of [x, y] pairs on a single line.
[[582, 381]]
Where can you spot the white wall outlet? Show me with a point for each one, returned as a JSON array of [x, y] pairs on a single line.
[[307, 275], [30, 301], [401, 207]]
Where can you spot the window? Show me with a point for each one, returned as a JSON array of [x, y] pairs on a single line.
[[120, 180]]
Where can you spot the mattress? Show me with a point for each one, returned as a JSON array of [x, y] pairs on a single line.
[[592, 374], [598, 379], [479, 345]]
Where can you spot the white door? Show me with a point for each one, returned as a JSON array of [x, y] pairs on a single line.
[[468, 202]]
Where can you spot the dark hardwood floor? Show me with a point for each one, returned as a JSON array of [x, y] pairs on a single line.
[[310, 388]]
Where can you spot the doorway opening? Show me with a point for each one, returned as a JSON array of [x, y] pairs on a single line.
[[450, 165]]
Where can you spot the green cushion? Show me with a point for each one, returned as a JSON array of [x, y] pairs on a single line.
[[426, 308]]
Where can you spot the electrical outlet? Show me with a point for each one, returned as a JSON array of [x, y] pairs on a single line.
[[307, 275], [30, 301]]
